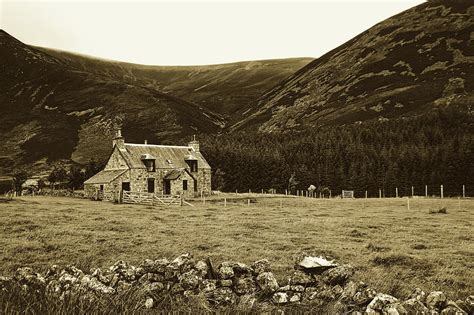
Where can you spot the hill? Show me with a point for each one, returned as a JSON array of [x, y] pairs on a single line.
[[418, 60], [51, 110], [59, 105], [223, 88]]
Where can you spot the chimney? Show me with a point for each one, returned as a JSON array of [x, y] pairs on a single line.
[[119, 141], [146, 141], [194, 144]]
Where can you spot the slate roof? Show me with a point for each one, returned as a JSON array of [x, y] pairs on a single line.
[[174, 174], [166, 156], [104, 176]]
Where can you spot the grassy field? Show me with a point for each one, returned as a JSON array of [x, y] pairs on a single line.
[[393, 249]]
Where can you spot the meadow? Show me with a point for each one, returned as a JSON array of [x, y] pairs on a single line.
[[393, 248]]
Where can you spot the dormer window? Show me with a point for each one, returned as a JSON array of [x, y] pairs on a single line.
[[150, 165], [192, 162], [193, 165], [149, 162]]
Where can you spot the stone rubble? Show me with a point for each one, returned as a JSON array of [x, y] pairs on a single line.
[[316, 282]]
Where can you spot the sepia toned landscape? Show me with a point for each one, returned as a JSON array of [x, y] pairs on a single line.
[[334, 184]]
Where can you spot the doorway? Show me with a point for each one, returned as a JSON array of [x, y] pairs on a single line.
[[126, 186], [167, 187], [151, 185]]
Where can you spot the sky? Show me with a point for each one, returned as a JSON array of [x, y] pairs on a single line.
[[193, 32]]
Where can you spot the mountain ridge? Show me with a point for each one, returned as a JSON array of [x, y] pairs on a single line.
[[352, 82]]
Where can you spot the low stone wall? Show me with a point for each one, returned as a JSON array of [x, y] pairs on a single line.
[[316, 283]]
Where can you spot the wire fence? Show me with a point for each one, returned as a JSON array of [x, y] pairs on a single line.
[[441, 191]]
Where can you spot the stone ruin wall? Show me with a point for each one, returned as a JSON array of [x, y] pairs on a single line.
[[315, 283]]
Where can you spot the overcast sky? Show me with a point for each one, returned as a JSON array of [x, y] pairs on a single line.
[[193, 32]]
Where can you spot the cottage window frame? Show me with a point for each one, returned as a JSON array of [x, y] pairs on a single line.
[[150, 165]]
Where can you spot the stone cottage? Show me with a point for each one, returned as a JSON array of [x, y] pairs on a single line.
[[158, 169]]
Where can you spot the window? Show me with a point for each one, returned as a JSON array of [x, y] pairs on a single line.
[[193, 165], [185, 185], [150, 165], [101, 188]]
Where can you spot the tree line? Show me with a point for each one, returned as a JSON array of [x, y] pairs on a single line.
[[433, 149]]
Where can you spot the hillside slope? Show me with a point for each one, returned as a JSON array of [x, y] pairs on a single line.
[[50, 110], [223, 88], [408, 64]]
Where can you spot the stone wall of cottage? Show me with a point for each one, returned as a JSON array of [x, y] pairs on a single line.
[[116, 161], [111, 189], [139, 182], [203, 177], [177, 185]]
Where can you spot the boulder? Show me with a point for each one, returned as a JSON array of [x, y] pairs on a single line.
[[436, 300], [93, 284], [314, 264], [349, 291], [300, 277], [260, 266], [159, 265], [27, 276], [202, 268], [337, 275], [297, 288], [380, 302], [418, 294], [295, 298], [280, 298], [153, 288], [180, 261], [452, 308], [363, 297], [415, 306], [147, 265], [225, 270], [223, 296], [267, 282], [207, 286], [189, 280], [149, 303], [244, 286]]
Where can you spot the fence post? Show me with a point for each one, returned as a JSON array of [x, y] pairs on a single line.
[[366, 194], [442, 192], [225, 202], [396, 192], [262, 191], [412, 191], [463, 191], [286, 192], [380, 193], [248, 202], [426, 191], [330, 193]]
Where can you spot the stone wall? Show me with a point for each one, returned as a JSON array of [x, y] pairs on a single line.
[[116, 161], [316, 283]]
